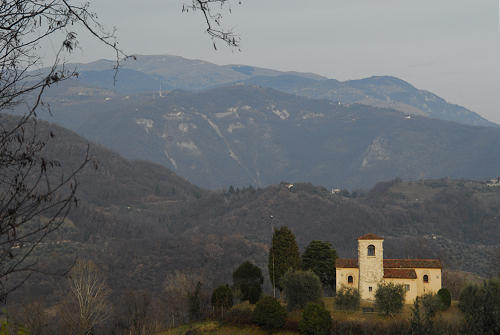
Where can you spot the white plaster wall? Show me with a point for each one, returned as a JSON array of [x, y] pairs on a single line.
[[412, 293], [341, 277], [434, 283]]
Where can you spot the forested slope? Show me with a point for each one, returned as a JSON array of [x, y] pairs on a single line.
[[141, 223]]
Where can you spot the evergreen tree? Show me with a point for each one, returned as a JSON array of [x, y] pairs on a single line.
[[445, 297], [283, 255], [319, 257], [222, 299], [248, 279]]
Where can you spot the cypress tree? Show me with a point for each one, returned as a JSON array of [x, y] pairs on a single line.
[[283, 256]]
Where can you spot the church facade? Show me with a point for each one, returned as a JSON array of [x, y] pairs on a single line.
[[418, 276]]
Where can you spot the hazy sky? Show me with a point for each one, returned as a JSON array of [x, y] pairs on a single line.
[[449, 47]]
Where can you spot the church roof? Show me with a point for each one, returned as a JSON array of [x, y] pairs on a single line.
[[400, 273], [346, 263], [370, 237], [412, 263], [393, 263]]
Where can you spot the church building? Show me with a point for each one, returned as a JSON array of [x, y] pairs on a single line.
[[419, 276]]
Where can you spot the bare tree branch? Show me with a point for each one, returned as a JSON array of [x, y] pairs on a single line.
[[213, 19]]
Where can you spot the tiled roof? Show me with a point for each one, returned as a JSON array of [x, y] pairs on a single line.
[[370, 237], [400, 273], [412, 263], [346, 263]]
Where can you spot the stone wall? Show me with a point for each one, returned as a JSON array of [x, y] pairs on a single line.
[[371, 268]]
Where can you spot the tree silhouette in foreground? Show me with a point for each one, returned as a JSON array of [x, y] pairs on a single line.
[[36, 193]]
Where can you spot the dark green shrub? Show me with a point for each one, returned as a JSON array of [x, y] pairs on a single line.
[[423, 312], [248, 279], [481, 307], [222, 299], [269, 314], [300, 288], [316, 320], [431, 304], [254, 292], [347, 298], [389, 298], [445, 297]]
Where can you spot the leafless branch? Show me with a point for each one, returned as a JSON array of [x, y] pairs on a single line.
[[213, 19]]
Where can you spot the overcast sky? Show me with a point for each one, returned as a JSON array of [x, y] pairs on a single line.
[[449, 47]]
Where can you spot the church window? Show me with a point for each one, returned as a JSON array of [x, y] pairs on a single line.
[[407, 287], [369, 288], [350, 280], [426, 278], [371, 250]]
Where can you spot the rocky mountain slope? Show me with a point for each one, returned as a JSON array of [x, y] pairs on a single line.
[[243, 134]]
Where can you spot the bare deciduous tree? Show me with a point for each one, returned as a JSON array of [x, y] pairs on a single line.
[[139, 313], [34, 318], [35, 193], [87, 304], [179, 287]]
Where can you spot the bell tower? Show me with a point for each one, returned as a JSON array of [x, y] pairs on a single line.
[[371, 264]]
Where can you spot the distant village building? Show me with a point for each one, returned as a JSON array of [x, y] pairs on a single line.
[[495, 182], [336, 190], [419, 276]]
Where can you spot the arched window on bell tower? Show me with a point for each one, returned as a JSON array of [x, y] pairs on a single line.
[[371, 250]]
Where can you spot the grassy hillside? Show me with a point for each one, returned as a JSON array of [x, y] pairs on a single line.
[[350, 322]]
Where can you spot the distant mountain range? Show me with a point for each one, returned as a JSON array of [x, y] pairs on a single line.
[[152, 73], [244, 134]]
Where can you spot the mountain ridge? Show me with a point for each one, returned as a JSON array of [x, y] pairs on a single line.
[[171, 72], [245, 134]]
